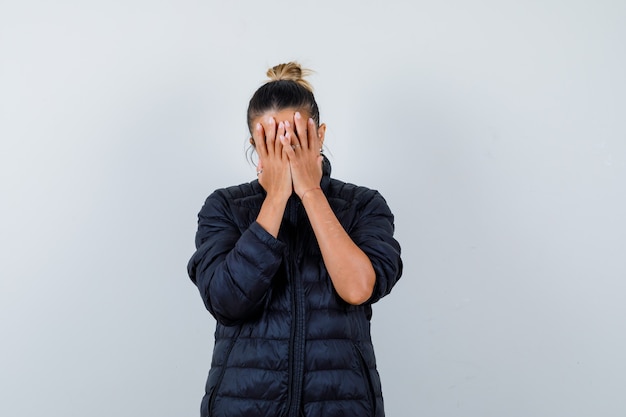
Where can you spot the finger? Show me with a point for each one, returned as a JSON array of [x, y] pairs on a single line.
[[287, 148], [312, 138], [270, 135], [258, 135], [301, 130], [291, 135], [280, 135]]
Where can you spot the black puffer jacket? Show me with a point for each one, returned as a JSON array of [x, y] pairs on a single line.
[[286, 344]]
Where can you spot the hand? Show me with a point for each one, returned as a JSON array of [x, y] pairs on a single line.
[[273, 169], [302, 147]]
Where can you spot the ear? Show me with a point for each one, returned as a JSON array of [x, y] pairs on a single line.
[[321, 133]]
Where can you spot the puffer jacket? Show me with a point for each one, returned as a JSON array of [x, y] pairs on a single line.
[[286, 344]]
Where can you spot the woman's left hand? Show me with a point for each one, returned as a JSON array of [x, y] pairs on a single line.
[[349, 268], [302, 146]]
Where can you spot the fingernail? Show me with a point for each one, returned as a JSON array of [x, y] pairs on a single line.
[[258, 126], [281, 125], [271, 120], [287, 123], [298, 115], [311, 120]]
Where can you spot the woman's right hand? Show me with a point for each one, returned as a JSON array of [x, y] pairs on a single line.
[[273, 170]]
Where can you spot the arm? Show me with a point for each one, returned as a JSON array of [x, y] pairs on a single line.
[[232, 270], [373, 232], [349, 267]]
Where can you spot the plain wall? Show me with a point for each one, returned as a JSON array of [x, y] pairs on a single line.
[[495, 130]]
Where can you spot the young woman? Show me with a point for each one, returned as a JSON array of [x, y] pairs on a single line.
[[289, 265]]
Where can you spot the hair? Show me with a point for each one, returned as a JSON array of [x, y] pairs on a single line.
[[285, 89]]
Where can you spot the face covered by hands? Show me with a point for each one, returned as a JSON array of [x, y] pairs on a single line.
[[289, 153]]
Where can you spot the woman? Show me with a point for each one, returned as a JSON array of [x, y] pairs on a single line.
[[289, 265]]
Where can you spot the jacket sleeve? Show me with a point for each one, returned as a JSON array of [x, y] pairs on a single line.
[[233, 270], [373, 234]]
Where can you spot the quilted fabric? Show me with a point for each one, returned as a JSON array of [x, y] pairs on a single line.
[[285, 343]]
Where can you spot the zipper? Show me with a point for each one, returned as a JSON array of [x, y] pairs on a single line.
[[297, 336]]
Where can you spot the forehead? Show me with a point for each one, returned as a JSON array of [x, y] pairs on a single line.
[[280, 115]]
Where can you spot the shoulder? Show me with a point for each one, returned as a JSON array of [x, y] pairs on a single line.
[[345, 195], [246, 195]]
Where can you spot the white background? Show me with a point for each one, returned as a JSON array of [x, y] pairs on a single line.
[[495, 129]]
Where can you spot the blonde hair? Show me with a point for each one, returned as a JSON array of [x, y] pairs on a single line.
[[291, 71]]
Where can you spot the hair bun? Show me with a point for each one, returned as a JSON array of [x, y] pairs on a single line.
[[291, 71]]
